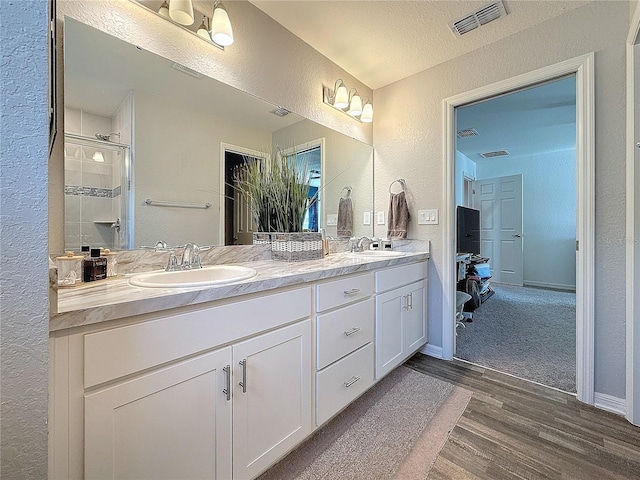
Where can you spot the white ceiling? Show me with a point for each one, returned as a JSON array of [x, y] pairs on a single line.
[[535, 120], [381, 42]]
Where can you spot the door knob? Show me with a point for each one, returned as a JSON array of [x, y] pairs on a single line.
[[638, 145]]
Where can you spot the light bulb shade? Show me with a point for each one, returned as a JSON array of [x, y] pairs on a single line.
[[355, 108], [367, 114], [164, 9], [342, 97], [181, 11], [98, 157], [203, 32], [221, 31]]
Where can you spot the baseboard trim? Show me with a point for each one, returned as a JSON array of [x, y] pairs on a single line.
[[610, 403], [432, 351], [555, 286]]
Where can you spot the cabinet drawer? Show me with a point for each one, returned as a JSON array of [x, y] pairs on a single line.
[[340, 292], [398, 276], [342, 382], [344, 330], [111, 354]]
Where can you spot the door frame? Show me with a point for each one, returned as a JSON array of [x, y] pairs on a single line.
[[228, 147], [583, 68], [633, 230]]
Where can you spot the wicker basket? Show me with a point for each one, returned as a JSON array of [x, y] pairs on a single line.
[[292, 247]]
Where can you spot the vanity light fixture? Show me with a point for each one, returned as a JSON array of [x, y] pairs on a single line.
[[348, 101], [203, 29], [164, 9], [181, 11], [221, 31]]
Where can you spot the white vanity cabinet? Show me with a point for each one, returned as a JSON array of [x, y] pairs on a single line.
[[214, 392], [401, 315], [344, 342], [172, 423]]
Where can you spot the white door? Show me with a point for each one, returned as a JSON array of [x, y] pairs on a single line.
[[172, 423], [500, 203], [389, 331], [271, 397], [415, 327]]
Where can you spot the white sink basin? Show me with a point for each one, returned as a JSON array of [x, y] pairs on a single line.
[[377, 253], [198, 277]]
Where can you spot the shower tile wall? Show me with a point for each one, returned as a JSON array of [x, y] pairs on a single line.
[[89, 185]]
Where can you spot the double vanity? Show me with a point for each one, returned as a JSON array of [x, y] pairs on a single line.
[[221, 380]]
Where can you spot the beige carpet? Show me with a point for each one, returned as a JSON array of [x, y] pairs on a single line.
[[394, 431]]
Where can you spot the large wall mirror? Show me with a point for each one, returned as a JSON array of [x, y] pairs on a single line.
[[150, 147]]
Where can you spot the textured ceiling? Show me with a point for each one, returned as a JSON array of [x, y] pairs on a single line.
[[381, 42]]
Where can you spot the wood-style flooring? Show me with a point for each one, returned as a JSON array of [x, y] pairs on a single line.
[[517, 429]]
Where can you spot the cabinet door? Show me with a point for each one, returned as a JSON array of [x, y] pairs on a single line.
[[414, 322], [272, 397], [172, 423], [389, 330]]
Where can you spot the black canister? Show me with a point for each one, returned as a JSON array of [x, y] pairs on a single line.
[[94, 267]]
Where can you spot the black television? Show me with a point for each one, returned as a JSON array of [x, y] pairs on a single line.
[[467, 230]]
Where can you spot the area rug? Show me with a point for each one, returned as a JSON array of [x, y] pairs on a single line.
[[524, 331], [394, 431]]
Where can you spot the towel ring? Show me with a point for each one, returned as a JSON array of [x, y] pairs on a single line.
[[402, 183], [348, 189]]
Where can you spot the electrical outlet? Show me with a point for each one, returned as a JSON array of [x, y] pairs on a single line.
[[380, 218], [428, 217], [366, 220], [332, 219]]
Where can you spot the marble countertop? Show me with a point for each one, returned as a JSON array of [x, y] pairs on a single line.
[[115, 298]]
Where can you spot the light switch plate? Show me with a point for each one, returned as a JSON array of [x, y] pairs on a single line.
[[366, 219], [428, 217], [332, 219], [380, 218]]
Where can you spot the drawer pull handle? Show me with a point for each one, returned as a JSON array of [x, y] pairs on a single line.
[[353, 291], [353, 380], [227, 374], [243, 383], [348, 333]]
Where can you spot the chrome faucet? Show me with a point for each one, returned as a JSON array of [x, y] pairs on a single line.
[[190, 257], [355, 243]]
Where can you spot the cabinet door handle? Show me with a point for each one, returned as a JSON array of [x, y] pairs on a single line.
[[410, 301], [405, 301], [353, 380], [227, 374], [243, 383], [348, 333], [353, 291]]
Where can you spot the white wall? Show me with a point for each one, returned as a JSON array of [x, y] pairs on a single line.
[[408, 132], [24, 305], [549, 214], [165, 170], [465, 167]]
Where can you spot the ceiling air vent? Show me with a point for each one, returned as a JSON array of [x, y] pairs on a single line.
[[497, 153], [477, 18], [469, 132], [279, 111]]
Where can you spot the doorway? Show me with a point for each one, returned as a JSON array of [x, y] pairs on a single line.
[[236, 221], [528, 328], [582, 67]]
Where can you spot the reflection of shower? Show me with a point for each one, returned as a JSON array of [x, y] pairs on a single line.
[[107, 137]]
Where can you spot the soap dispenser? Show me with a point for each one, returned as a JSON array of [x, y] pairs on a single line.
[[94, 267]]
